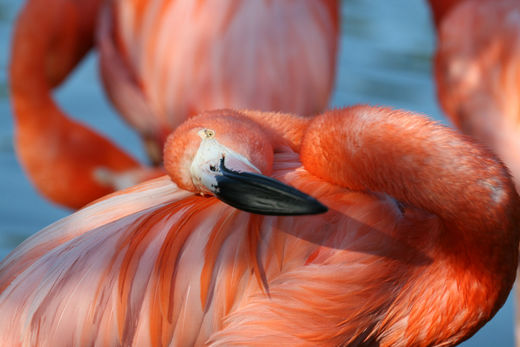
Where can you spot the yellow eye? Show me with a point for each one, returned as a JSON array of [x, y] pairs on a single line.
[[206, 133], [209, 133]]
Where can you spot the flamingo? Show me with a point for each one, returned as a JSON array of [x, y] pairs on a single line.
[[419, 246], [477, 71], [161, 62]]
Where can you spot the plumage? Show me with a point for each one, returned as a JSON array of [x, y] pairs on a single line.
[[477, 72], [257, 54], [419, 246]]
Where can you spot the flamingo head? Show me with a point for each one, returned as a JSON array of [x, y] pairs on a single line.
[[229, 155]]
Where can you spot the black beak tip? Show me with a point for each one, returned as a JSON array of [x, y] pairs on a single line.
[[273, 206], [317, 207], [264, 195]]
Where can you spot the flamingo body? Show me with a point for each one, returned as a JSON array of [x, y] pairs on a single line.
[[477, 71], [419, 246], [256, 54]]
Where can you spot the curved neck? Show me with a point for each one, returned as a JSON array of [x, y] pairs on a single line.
[[61, 156], [424, 165], [50, 38]]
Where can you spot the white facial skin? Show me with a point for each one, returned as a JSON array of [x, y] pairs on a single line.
[[206, 163]]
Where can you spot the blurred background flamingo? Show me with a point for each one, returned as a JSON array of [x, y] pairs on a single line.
[[414, 264], [161, 61], [477, 71], [384, 58]]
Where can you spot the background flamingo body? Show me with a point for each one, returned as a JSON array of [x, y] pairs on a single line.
[[417, 254], [477, 71], [163, 61]]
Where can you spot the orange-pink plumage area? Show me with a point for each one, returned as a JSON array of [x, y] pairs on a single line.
[[476, 72]]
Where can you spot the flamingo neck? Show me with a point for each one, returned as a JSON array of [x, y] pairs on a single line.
[[433, 170], [61, 156], [50, 38], [30, 89], [426, 166]]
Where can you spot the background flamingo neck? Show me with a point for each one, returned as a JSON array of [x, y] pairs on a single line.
[[58, 153], [50, 38]]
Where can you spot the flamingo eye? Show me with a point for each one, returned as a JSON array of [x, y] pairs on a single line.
[[209, 133]]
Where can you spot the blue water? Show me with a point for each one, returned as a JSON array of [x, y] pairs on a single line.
[[384, 59]]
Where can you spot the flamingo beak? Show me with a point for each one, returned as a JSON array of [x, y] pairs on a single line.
[[260, 194]]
